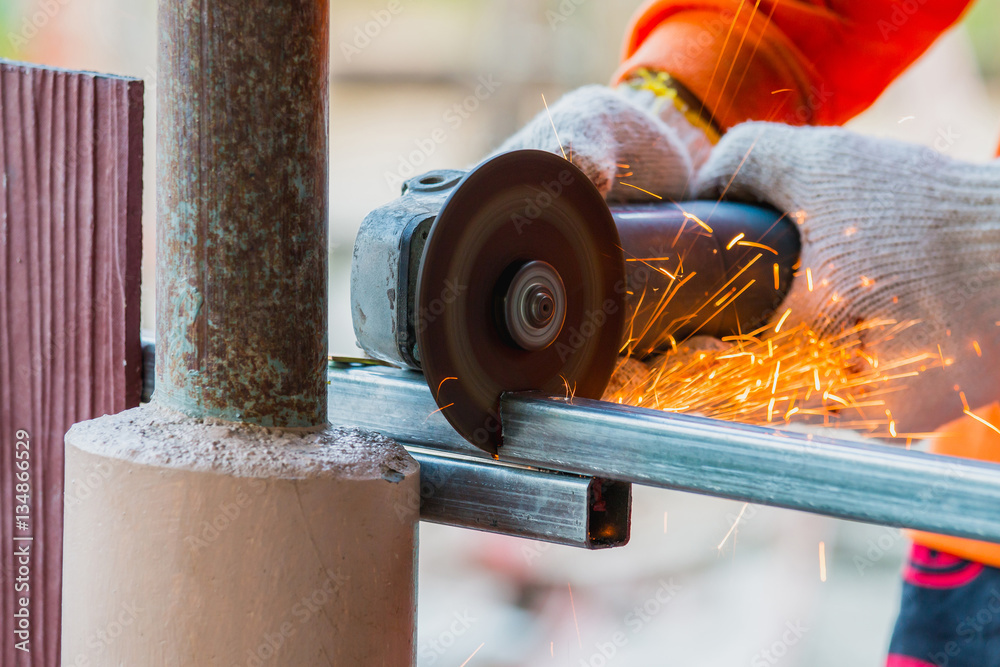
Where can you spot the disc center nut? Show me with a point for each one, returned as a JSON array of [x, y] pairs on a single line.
[[535, 306]]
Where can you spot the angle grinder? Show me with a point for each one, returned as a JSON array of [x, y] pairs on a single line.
[[518, 275]]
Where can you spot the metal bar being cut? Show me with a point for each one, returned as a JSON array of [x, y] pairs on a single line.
[[548, 506], [866, 482]]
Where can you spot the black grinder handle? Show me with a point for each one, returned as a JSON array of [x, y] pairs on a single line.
[[700, 243]]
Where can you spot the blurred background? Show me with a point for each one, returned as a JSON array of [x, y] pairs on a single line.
[[690, 589]]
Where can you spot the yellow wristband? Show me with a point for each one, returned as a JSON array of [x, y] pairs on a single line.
[[667, 89]]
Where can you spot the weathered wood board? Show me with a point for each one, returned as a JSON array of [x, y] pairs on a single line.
[[70, 249]]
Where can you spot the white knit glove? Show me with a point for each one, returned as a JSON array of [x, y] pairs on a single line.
[[889, 231], [619, 136]]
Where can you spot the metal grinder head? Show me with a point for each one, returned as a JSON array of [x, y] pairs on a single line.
[[508, 278]]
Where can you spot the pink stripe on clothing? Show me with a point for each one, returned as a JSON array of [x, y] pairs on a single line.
[[942, 579], [921, 555], [905, 661]]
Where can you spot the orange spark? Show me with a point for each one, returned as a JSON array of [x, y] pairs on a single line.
[[777, 277], [733, 527], [443, 407], [751, 244], [641, 189], [473, 655], [558, 141], [698, 221], [573, 607], [809, 279], [982, 421], [735, 240], [777, 327], [975, 346], [441, 383]]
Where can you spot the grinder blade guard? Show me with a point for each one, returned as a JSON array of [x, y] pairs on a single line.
[[513, 277]]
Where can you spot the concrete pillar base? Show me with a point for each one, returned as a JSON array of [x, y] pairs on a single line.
[[207, 542]]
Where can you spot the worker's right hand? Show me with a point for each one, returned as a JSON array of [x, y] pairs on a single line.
[[891, 232], [625, 140]]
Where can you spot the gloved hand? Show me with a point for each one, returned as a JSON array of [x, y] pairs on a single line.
[[620, 135], [890, 231]]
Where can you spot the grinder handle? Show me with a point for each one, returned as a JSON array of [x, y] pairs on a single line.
[[718, 250]]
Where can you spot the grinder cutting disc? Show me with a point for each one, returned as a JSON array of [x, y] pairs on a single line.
[[522, 287]]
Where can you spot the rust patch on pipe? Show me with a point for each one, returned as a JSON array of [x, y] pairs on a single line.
[[242, 161]]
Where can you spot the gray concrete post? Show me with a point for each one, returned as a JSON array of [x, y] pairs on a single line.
[[227, 523]]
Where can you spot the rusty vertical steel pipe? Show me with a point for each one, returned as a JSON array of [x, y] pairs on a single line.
[[242, 208]]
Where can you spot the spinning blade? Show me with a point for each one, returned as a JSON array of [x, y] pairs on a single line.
[[522, 287]]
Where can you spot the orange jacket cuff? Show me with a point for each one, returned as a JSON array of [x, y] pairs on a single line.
[[698, 49]]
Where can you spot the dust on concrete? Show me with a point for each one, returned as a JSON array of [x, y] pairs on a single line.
[[157, 436]]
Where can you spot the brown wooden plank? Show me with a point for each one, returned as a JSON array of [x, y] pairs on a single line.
[[70, 249]]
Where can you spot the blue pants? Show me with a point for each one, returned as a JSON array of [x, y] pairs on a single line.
[[949, 615]]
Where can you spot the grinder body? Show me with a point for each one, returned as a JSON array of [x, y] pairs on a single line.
[[518, 276]]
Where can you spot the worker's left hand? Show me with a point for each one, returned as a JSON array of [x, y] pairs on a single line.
[[631, 146], [890, 232]]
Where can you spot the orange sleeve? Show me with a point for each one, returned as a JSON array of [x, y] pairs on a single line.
[[802, 62], [971, 439]]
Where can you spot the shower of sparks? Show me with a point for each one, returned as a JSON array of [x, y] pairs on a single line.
[[733, 527], [792, 374], [473, 655], [822, 561], [579, 639], [553, 122]]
